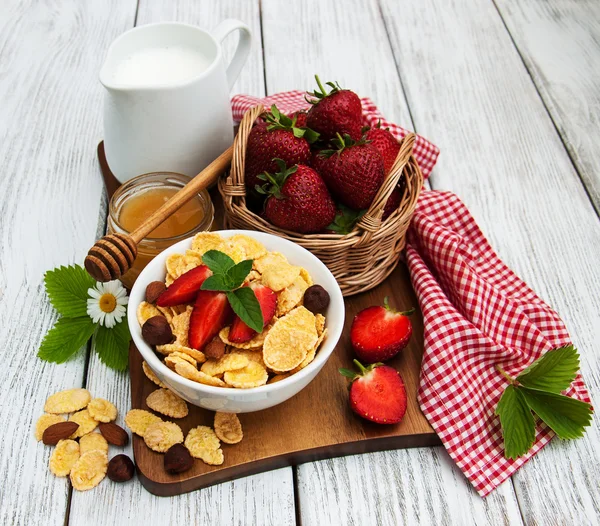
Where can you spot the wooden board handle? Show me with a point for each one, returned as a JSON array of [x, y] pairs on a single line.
[[204, 179]]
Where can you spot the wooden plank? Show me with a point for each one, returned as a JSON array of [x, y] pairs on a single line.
[[262, 499], [560, 44], [347, 42], [469, 92], [51, 194]]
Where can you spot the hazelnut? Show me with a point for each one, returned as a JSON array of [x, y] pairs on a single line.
[[316, 299], [154, 290], [120, 469], [178, 459], [157, 331], [215, 348]]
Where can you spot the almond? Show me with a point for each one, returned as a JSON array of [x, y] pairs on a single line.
[[114, 434], [59, 431]]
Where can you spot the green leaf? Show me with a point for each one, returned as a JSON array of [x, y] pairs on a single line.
[[112, 345], [566, 416], [217, 261], [237, 274], [67, 289], [518, 425], [347, 372], [553, 372], [66, 337], [244, 303], [216, 282]]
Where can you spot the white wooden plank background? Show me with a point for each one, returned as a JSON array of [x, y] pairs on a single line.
[[560, 43], [467, 90], [261, 499]]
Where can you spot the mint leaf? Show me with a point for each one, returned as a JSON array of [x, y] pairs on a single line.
[[67, 289], [518, 425], [66, 337], [553, 372], [216, 282], [237, 274], [217, 261], [566, 416], [244, 303], [112, 345]]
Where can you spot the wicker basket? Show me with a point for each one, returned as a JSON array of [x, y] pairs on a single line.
[[359, 260]]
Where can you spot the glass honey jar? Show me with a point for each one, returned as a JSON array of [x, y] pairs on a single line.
[[136, 199]]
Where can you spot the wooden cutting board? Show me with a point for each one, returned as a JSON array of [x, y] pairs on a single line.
[[315, 424]]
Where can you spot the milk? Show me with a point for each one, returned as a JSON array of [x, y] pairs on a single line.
[[152, 66]]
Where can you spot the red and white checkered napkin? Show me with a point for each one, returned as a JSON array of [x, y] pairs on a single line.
[[476, 313], [290, 101]]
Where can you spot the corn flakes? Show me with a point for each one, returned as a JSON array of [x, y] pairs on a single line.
[[291, 296], [86, 423], [279, 377], [160, 436], [64, 457], [102, 410], [191, 373], [145, 311], [93, 442], [202, 443], [67, 401], [181, 326], [228, 362], [228, 428], [167, 403], [44, 422], [255, 343], [205, 241], [175, 347], [253, 375], [176, 357], [268, 260], [138, 421], [278, 277], [151, 375], [254, 249], [89, 470]]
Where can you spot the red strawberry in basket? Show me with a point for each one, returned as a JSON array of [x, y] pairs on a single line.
[[211, 313], [379, 333], [281, 137], [377, 393], [385, 143], [392, 203], [353, 172], [240, 332], [298, 199], [300, 118], [338, 111], [184, 288]]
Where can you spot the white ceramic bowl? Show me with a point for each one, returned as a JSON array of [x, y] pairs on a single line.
[[242, 400]]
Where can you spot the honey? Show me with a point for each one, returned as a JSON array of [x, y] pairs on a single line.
[[139, 206], [135, 200]]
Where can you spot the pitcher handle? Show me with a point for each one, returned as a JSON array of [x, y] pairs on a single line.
[[243, 48]]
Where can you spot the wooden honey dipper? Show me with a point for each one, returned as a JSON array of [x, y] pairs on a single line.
[[113, 255]]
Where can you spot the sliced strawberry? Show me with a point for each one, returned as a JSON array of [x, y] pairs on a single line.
[[379, 333], [211, 313], [377, 393], [184, 288], [240, 332]]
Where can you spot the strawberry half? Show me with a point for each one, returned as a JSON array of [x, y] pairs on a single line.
[[240, 332], [211, 313], [377, 393], [379, 333], [184, 288]]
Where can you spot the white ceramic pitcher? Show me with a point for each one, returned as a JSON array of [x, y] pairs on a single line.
[[175, 127]]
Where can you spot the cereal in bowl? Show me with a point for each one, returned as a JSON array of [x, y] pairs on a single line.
[[233, 293]]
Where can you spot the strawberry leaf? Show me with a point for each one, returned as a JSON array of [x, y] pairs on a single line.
[[566, 416], [66, 337], [67, 290], [244, 303], [112, 345], [218, 262], [518, 425], [553, 372]]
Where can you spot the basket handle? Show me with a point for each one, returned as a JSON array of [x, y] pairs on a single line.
[[237, 186], [371, 221]]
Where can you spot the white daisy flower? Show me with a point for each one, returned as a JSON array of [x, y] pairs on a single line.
[[106, 304]]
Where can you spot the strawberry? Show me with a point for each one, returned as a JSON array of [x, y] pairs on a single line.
[[240, 332], [338, 111], [184, 288], [300, 118], [298, 199], [353, 172], [377, 393], [385, 143], [378, 333], [392, 203], [211, 313], [278, 137]]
